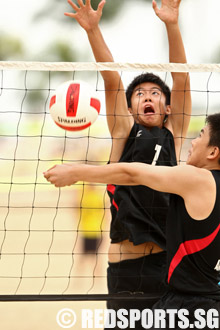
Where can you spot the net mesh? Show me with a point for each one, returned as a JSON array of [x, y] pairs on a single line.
[[54, 241]]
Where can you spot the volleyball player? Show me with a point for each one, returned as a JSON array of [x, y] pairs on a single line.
[[193, 222], [147, 124]]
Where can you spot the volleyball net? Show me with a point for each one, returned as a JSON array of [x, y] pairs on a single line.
[[54, 241]]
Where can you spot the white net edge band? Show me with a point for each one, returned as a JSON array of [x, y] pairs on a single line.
[[108, 66]]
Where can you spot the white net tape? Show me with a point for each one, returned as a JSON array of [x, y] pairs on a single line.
[[110, 66]]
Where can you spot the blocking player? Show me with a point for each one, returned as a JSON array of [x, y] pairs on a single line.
[[147, 124]]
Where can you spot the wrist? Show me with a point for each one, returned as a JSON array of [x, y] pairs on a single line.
[[172, 25], [172, 29], [93, 31]]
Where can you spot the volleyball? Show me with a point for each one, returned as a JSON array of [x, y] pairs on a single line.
[[74, 106]]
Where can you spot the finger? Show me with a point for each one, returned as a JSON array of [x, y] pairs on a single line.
[[155, 8], [80, 2], [73, 5], [48, 172], [88, 3], [48, 178], [101, 6], [51, 168], [58, 185], [70, 15], [51, 180]]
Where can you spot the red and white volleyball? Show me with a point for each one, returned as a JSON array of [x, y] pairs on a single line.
[[74, 106]]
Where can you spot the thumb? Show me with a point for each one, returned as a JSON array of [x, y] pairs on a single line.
[[154, 5]]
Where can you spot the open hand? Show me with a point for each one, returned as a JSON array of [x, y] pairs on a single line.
[[169, 11], [85, 15]]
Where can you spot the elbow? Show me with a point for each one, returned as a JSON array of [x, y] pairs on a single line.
[[131, 174]]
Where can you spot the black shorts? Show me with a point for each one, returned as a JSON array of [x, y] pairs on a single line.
[[144, 275], [197, 309]]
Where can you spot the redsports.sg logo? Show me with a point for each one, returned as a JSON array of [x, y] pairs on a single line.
[[128, 319]]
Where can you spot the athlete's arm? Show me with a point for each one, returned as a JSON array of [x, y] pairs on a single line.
[[161, 178], [195, 185], [179, 119], [119, 119]]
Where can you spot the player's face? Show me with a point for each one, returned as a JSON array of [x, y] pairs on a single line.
[[199, 150], [148, 105]]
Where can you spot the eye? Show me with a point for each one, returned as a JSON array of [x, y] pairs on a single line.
[[155, 93], [140, 94]]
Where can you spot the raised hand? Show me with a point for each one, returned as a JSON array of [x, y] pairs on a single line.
[[85, 15], [169, 11]]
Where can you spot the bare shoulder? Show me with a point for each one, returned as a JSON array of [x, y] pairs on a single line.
[[195, 175], [188, 180], [200, 174], [200, 195]]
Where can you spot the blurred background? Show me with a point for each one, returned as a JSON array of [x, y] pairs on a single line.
[[43, 230], [38, 31]]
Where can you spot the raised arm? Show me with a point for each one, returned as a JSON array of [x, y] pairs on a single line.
[[179, 120], [118, 117]]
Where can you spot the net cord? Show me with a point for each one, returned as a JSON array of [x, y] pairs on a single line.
[[107, 66]]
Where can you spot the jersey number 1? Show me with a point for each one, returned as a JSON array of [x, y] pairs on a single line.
[[157, 153]]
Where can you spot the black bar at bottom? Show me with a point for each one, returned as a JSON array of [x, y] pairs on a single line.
[[76, 297]]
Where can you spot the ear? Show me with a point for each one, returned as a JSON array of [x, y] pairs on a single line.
[[168, 110], [214, 153], [130, 110]]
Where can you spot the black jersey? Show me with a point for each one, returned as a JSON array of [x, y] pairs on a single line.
[[138, 212], [194, 249]]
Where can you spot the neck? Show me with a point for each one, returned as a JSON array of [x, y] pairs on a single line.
[[211, 167]]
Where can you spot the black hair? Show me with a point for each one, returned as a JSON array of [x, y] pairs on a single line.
[[214, 130], [147, 77]]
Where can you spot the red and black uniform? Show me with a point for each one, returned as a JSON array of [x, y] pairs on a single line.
[[193, 257], [139, 215], [138, 212]]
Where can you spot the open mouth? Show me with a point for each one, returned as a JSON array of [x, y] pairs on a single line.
[[148, 110]]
